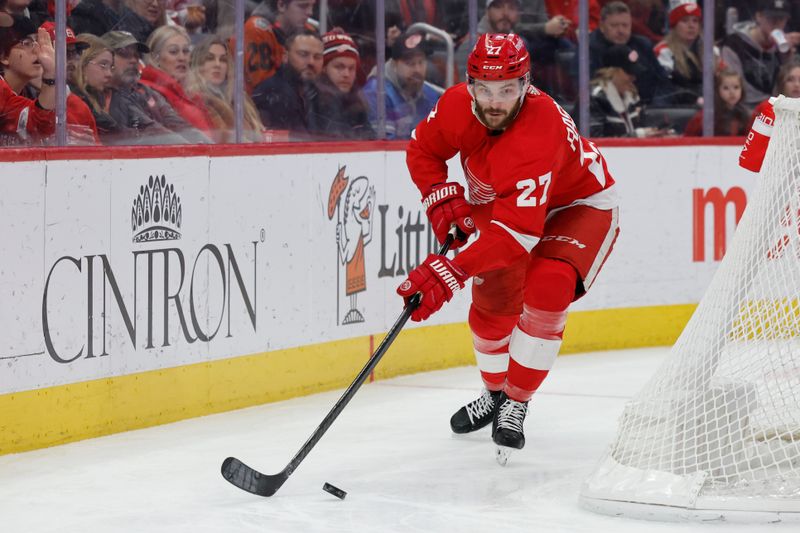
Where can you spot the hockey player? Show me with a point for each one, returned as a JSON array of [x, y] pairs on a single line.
[[546, 210]]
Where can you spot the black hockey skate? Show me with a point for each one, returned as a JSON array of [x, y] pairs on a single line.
[[507, 430], [476, 414]]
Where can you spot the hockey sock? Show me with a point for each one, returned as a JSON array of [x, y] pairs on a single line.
[[490, 338], [536, 340]]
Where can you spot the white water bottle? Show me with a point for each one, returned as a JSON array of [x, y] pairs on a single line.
[[780, 40]]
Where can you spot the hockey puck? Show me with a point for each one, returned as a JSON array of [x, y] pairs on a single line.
[[336, 491]]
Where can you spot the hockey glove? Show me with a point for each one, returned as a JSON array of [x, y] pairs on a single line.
[[436, 280], [445, 205]]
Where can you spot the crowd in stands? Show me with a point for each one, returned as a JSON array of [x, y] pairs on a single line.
[[162, 71]]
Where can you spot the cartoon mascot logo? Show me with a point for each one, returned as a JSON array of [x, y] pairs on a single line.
[[353, 233]]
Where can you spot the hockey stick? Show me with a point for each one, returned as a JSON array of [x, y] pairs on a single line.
[[251, 480]]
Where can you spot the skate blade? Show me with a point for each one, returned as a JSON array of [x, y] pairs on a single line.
[[502, 453]]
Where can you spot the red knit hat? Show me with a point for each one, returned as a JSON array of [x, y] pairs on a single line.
[[683, 8], [337, 44]]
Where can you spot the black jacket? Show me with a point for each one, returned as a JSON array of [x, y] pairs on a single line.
[[285, 102], [93, 16], [340, 116]]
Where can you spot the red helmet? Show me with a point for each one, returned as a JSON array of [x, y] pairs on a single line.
[[498, 56]]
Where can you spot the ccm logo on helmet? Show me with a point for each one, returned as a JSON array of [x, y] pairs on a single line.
[[492, 67]]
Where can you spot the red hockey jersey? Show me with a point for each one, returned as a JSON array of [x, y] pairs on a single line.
[[22, 117], [515, 177]]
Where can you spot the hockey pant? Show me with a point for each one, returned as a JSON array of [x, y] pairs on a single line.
[[518, 313]]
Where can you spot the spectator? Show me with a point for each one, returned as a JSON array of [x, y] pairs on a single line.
[[18, 8], [93, 83], [752, 52], [211, 79], [288, 100], [96, 16], [22, 120], [552, 33], [788, 84], [265, 41], [409, 98], [81, 125], [615, 109], [558, 11], [648, 17], [615, 29], [142, 17], [74, 49], [502, 16], [342, 110], [731, 117], [166, 72], [681, 52], [147, 115]]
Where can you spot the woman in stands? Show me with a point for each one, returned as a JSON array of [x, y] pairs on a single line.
[[210, 77], [93, 84], [23, 120], [731, 118], [342, 109], [167, 71], [681, 52], [614, 106]]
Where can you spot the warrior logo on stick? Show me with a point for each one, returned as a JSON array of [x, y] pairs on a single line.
[[353, 232]]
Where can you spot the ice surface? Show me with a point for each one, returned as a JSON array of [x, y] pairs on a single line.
[[391, 450]]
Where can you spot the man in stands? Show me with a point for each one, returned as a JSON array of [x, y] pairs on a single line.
[[409, 98], [615, 29], [287, 100], [546, 208], [137, 106], [265, 39], [753, 52]]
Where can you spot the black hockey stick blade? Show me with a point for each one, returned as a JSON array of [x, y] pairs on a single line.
[[251, 480]]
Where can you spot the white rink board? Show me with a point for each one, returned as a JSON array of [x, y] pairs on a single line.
[[268, 215]]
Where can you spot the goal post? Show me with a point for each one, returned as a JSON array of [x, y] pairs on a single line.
[[715, 433]]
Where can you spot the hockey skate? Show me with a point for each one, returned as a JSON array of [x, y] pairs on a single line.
[[476, 414], [507, 431]]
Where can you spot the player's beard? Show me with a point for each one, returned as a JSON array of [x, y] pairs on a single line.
[[489, 122]]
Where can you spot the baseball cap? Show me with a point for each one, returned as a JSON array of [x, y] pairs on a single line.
[[625, 58], [408, 44], [773, 7], [50, 27], [683, 8], [121, 39], [338, 44]]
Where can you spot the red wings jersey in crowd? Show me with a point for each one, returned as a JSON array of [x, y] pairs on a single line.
[[757, 141], [515, 177], [21, 116]]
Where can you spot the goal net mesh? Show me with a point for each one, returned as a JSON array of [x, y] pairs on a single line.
[[718, 425]]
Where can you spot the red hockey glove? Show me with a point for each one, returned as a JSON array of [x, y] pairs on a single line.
[[445, 205], [436, 279]]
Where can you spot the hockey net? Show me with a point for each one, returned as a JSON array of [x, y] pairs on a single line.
[[715, 433]]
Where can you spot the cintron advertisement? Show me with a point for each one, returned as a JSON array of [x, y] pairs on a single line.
[[177, 287]]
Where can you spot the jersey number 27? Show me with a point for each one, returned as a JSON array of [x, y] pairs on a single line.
[[529, 186]]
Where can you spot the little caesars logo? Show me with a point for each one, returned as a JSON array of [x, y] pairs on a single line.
[[353, 233], [166, 283]]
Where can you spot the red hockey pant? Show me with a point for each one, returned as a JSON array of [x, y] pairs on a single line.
[[518, 313]]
